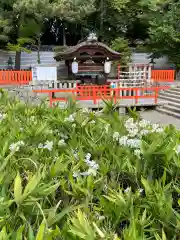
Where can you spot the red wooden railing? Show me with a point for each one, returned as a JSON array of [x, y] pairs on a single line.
[[96, 93], [10, 77], [163, 75]]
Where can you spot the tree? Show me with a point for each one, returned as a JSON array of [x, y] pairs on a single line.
[[18, 48], [121, 45], [36, 13], [164, 33], [72, 11]]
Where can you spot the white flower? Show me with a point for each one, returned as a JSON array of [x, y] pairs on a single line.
[[50, 131], [97, 113], [63, 136], [133, 143], [84, 174], [107, 127], [76, 174], [87, 157], [85, 110], [70, 118], [141, 190], [131, 127], [92, 171], [2, 116], [105, 188], [123, 140], [178, 149], [133, 131], [61, 143], [155, 126], [129, 121], [48, 145], [116, 136], [158, 130], [16, 146], [21, 143], [128, 189], [144, 132], [101, 218], [55, 158], [32, 118], [40, 145], [137, 152], [75, 153], [144, 123], [92, 164], [92, 122]]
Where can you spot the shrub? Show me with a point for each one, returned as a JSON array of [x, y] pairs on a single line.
[[74, 174], [121, 45]]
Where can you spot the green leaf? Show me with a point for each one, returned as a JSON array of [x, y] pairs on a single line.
[[60, 215], [163, 235], [146, 185], [18, 189], [3, 234], [41, 231], [33, 182], [30, 234], [19, 234], [47, 191]]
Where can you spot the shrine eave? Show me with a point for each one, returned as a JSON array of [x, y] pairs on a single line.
[[84, 50]]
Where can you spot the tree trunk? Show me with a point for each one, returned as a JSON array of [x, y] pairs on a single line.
[[18, 61], [64, 36], [38, 51], [102, 18]]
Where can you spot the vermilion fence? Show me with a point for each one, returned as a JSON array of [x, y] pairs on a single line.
[[10, 77], [163, 75], [96, 93]]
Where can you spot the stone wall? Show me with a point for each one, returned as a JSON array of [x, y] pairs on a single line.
[[28, 60]]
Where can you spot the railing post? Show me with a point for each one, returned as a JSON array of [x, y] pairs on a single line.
[[118, 72], [115, 95], [156, 95], [136, 95], [94, 95], [50, 99]]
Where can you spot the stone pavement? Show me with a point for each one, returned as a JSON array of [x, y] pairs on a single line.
[[157, 117]]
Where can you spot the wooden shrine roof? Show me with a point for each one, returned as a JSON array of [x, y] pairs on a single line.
[[88, 49]]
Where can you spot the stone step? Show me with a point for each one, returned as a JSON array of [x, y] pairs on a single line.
[[175, 104], [169, 94], [176, 89], [172, 91], [168, 112], [170, 99], [172, 108]]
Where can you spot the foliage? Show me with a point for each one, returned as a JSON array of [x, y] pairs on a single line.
[[60, 49], [19, 47], [74, 174], [164, 33], [121, 45]]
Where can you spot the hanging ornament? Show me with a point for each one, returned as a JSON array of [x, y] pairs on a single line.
[[107, 66], [74, 66]]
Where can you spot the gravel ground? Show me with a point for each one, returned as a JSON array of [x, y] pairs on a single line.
[[156, 117]]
